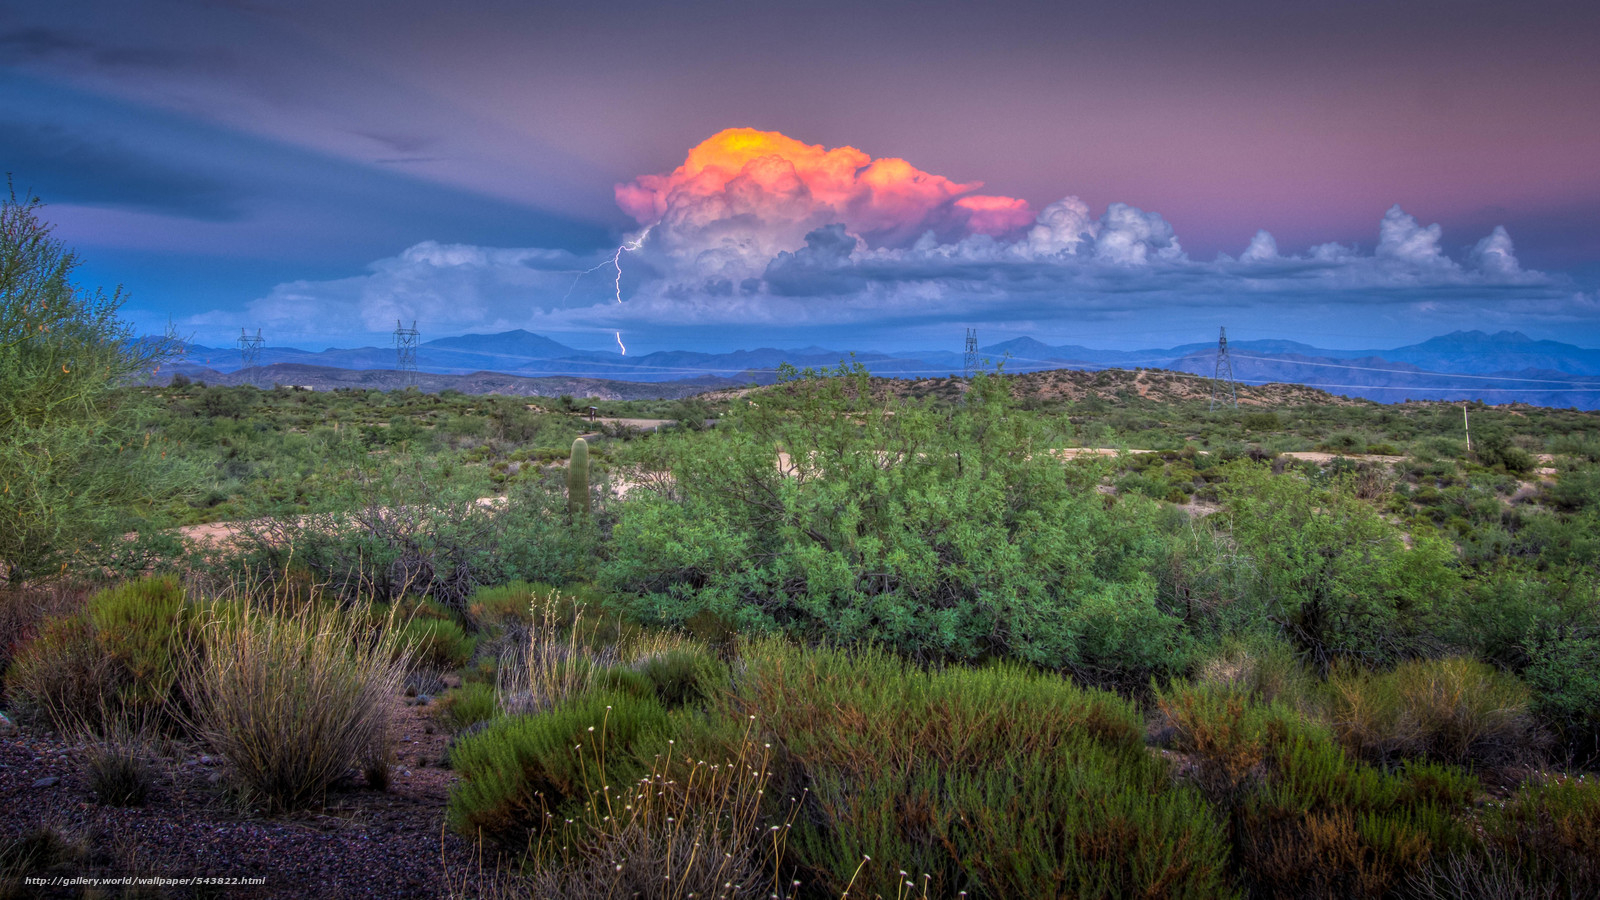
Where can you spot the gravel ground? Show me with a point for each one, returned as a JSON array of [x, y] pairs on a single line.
[[363, 843]]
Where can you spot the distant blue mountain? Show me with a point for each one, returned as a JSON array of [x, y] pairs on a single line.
[[1505, 366]]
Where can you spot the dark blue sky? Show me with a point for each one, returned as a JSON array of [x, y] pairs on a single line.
[[1151, 170]]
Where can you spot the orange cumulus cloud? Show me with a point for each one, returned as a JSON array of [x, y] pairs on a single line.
[[995, 215], [763, 191]]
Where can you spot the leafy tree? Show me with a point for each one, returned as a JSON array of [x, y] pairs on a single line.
[[70, 458]]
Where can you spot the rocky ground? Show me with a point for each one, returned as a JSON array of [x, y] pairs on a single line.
[[362, 843]]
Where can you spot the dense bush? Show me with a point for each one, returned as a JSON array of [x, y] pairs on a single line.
[[945, 532], [116, 658], [996, 781], [504, 604], [72, 458], [683, 676], [1304, 819], [435, 643], [527, 774], [1331, 575]]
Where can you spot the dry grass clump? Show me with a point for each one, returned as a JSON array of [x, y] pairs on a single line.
[[1268, 671], [41, 852], [119, 762], [1452, 710], [569, 652], [1490, 876], [295, 699], [687, 828]]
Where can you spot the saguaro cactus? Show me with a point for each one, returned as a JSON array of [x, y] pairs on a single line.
[[578, 479]]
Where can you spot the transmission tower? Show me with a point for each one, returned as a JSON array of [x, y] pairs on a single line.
[[1224, 365], [249, 348], [405, 350], [970, 363]]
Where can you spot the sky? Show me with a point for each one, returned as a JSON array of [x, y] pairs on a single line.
[[723, 175]]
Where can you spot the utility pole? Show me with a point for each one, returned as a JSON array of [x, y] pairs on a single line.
[[249, 349], [1224, 364], [970, 363], [405, 350], [1467, 425]]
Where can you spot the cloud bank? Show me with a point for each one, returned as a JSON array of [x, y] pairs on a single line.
[[756, 229]]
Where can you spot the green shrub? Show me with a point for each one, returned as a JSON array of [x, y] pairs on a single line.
[[523, 774], [1304, 818], [1452, 710], [998, 781], [435, 643], [467, 705], [941, 531], [1552, 829], [1564, 673], [684, 676], [507, 603], [117, 658], [1331, 574]]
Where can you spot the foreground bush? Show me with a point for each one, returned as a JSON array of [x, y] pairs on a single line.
[[115, 659], [72, 458], [526, 774], [506, 604], [295, 700], [998, 782], [1331, 575], [1304, 819], [688, 828], [1551, 828]]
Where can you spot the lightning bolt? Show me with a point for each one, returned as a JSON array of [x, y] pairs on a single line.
[[616, 263]]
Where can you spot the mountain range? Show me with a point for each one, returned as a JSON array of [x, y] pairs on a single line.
[[1465, 365]]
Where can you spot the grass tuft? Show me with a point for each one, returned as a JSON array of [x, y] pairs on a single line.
[[296, 699]]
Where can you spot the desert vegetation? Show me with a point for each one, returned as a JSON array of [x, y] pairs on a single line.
[[856, 638]]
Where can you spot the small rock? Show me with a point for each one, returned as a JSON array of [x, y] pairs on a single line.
[[47, 781], [8, 728], [207, 761]]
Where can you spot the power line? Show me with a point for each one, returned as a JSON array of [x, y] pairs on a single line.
[[969, 362], [1416, 374]]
